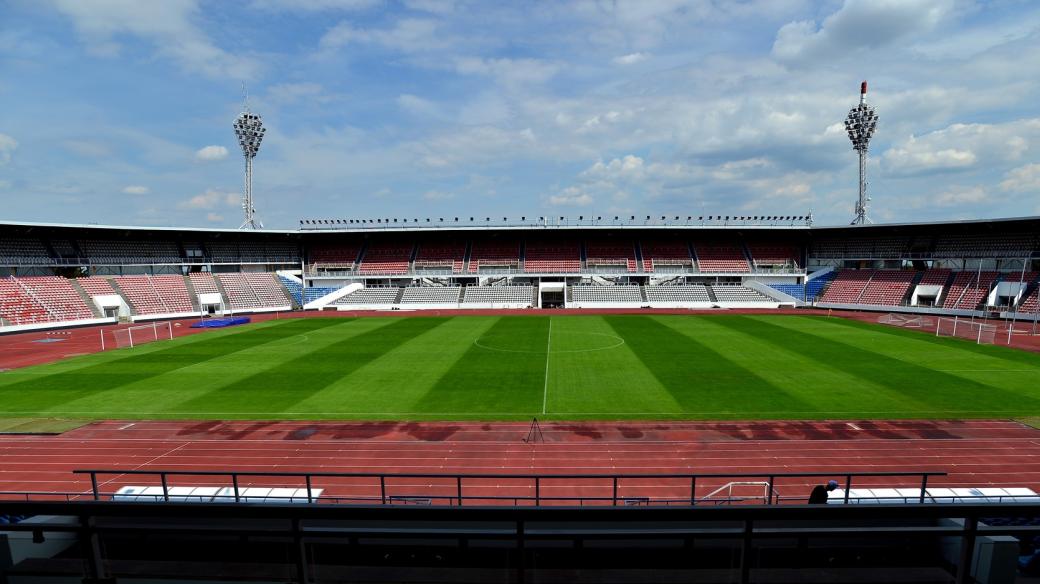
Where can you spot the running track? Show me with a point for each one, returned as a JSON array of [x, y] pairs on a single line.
[[974, 453]]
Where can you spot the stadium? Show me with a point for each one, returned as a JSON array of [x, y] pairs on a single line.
[[515, 367], [582, 394]]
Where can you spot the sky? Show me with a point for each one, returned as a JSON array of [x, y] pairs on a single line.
[[120, 111]]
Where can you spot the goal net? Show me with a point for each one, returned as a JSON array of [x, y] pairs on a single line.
[[139, 335], [906, 320], [983, 334]]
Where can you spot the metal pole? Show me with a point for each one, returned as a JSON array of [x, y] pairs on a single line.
[[234, 484], [458, 489], [967, 550], [848, 487], [382, 488], [924, 487], [745, 553], [309, 498], [94, 486], [693, 490], [615, 492], [165, 488]]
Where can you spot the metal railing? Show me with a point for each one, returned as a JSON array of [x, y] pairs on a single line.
[[622, 488]]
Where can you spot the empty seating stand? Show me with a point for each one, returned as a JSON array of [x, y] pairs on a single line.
[[431, 295], [332, 257], [130, 252], [17, 307], [1031, 303], [969, 289], [774, 256], [1019, 245], [267, 289], [847, 286], [24, 252], [721, 257], [888, 287], [693, 293], [370, 296], [492, 256], [386, 259], [737, 293], [552, 257], [240, 294], [203, 283], [628, 294], [610, 256], [96, 286], [511, 295], [142, 295], [441, 257], [666, 256], [935, 277], [56, 296]]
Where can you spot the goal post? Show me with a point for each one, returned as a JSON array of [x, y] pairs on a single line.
[[981, 333], [138, 335]]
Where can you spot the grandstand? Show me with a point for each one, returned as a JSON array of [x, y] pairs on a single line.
[[957, 268]]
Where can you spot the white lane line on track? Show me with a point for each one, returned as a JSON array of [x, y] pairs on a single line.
[[143, 464]]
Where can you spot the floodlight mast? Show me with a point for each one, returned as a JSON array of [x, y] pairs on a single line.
[[860, 125], [249, 129]]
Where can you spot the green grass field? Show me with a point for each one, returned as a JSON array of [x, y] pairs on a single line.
[[559, 367]]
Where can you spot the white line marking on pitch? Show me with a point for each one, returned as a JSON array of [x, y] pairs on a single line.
[[853, 426], [130, 425], [548, 345]]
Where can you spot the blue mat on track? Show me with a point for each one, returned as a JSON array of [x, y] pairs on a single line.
[[221, 322]]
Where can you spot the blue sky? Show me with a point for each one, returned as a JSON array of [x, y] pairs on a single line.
[[120, 111]]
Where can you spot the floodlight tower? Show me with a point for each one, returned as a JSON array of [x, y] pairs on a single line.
[[249, 129], [860, 124]]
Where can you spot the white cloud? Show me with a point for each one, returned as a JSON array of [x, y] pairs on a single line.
[[961, 147], [571, 197], [7, 146], [858, 24], [293, 92], [211, 199], [416, 105], [214, 217], [88, 148], [1021, 179], [434, 195], [169, 25], [407, 35], [508, 71], [211, 153], [961, 195], [136, 190], [631, 58]]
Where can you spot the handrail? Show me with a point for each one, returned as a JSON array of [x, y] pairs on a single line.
[[457, 480]]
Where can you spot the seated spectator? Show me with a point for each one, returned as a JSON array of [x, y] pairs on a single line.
[[820, 493]]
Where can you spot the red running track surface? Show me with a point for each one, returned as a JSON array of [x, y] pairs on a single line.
[[972, 452]]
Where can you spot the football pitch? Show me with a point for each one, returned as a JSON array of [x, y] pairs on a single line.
[[551, 367]]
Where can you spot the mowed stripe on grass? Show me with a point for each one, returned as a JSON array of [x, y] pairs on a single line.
[[618, 367]]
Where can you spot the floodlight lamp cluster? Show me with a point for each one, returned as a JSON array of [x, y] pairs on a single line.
[[249, 129], [860, 125]]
